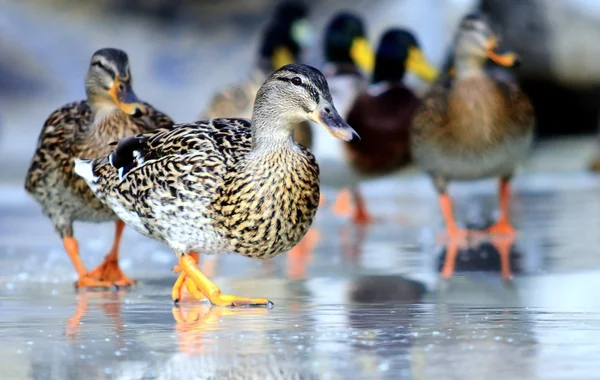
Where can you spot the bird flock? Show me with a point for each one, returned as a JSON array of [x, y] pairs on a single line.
[[243, 179]]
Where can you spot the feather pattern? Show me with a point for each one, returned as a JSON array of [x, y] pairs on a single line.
[[70, 132], [199, 183], [472, 127]]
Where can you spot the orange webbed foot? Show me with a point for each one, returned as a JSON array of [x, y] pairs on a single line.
[[362, 217], [502, 228], [109, 271], [87, 282], [211, 291]]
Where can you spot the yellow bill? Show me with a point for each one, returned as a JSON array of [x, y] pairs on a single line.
[[418, 64], [281, 56], [362, 54], [124, 97]]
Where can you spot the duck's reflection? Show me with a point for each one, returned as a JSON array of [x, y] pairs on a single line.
[[299, 257], [352, 238], [384, 309], [481, 253], [193, 321], [108, 301]]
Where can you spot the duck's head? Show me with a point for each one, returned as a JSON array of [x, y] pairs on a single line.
[[297, 93], [286, 35], [398, 51], [346, 42], [476, 43], [108, 82]]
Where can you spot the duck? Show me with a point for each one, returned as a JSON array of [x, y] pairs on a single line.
[[381, 115], [349, 58], [110, 112], [474, 124], [225, 185], [282, 43]]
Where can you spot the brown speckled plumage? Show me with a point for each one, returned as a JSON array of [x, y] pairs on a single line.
[[225, 185], [475, 124], [71, 132], [210, 180]]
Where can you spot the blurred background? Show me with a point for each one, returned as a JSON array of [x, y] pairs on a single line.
[[182, 51]]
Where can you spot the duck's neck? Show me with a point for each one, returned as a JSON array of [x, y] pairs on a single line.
[[271, 134], [469, 66], [272, 126], [108, 122]]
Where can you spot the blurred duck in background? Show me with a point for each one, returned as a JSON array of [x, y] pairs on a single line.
[[86, 129], [382, 114], [474, 124], [282, 43], [349, 59]]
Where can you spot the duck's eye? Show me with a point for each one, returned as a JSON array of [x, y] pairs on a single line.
[[296, 81], [121, 87], [98, 64]]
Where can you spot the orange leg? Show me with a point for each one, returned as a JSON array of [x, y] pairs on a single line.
[[453, 231], [299, 256], [109, 269], [343, 204], [210, 290], [450, 261], [84, 281], [360, 213], [503, 245], [502, 225]]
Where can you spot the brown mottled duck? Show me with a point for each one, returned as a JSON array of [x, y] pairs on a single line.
[[85, 129], [224, 185], [474, 124]]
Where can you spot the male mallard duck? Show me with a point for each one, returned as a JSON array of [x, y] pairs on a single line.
[[282, 43], [224, 185], [473, 125], [83, 129], [382, 114], [349, 59]]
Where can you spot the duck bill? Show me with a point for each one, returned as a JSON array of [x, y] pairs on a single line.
[[508, 59], [362, 54], [124, 97], [281, 56], [420, 66], [327, 116]]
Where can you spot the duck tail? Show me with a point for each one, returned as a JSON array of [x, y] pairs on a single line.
[[85, 169], [128, 154]]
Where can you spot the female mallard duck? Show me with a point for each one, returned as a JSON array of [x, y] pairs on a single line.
[[224, 185], [382, 114], [281, 44], [83, 129], [473, 124]]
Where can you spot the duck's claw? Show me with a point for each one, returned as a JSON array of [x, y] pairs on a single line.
[[211, 291]]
